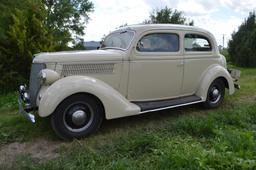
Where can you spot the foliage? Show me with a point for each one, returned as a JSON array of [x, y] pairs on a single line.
[[167, 15], [32, 26], [242, 46], [25, 36], [183, 138], [226, 54], [9, 101], [66, 20]]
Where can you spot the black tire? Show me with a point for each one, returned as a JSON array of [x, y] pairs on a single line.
[[77, 116], [215, 94]]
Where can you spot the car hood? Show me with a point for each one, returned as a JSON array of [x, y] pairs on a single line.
[[77, 56]]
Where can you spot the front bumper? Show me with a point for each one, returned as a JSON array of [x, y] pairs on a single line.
[[25, 108]]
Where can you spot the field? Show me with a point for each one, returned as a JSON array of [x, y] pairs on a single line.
[[181, 138]]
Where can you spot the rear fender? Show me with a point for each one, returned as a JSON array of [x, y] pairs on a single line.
[[212, 73]]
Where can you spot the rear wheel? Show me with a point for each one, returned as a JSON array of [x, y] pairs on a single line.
[[216, 93], [77, 116]]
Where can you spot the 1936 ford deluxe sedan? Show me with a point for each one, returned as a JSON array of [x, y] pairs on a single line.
[[138, 69]]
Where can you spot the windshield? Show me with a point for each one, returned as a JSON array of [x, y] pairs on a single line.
[[118, 40]]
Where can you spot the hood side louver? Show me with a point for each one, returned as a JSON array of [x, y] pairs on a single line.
[[83, 69]]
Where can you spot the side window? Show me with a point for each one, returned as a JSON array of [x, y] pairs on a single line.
[[159, 42], [195, 42]]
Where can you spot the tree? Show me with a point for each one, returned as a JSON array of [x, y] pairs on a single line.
[[67, 19], [24, 36], [167, 16], [242, 46], [31, 26]]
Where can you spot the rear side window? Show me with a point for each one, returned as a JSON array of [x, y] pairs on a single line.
[[159, 42], [196, 42]]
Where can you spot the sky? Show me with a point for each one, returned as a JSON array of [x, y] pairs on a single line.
[[220, 17]]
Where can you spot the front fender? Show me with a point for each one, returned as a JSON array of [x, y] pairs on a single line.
[[212, 73], [114, 103]]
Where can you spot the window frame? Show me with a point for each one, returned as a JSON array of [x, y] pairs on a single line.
[[202, 36], [119, 31], [159, 52]]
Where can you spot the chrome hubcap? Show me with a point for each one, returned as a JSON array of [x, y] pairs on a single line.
[[79, 117], [215, 95]]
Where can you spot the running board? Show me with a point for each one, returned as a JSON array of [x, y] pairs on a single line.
[[152, 106]]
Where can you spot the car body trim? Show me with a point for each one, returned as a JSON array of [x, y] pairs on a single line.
[[170, 107]]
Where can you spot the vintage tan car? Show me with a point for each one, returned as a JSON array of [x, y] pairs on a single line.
[[138, 69]]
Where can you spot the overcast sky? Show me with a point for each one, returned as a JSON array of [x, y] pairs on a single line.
[[217, 16]]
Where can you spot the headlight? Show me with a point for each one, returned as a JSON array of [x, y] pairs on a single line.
[[48, 76], [42, 77]]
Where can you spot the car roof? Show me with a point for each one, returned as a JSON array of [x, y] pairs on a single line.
[[145, 27]]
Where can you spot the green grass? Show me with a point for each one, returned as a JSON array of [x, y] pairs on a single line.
[[9, 102], [182, 138], [13, 127]]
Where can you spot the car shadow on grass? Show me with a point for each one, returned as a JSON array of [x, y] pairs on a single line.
[[149, 120]]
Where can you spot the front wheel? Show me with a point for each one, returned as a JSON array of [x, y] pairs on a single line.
[[215, 95], [77, 116]]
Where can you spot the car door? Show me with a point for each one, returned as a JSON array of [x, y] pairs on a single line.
[[156, 67], [199, 55]]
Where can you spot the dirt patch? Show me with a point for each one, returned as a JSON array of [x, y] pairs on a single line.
[[39, 150]]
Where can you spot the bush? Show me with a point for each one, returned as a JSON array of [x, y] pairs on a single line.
[[32, 26]]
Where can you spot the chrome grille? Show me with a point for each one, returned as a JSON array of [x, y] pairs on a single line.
[[81, 69], [34, 82]]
